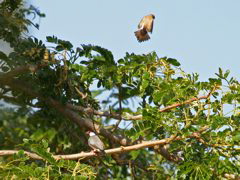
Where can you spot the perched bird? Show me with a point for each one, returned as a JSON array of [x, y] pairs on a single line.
[[95, 142], [145, 26]]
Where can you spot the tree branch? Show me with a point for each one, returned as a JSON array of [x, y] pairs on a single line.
[[136, 117], [121, 149], [93, 111], [128, 116], [186, 102], [67, 110], [81, 155], [68, 113], [87, 123], [19, 70]]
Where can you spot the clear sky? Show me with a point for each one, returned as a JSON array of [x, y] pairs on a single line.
[[202, 35]]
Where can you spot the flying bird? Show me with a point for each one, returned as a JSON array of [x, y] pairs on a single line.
[[145, 26], [95, 142]]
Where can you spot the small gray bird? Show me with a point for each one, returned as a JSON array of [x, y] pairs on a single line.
[[145, 26], [95, 142]]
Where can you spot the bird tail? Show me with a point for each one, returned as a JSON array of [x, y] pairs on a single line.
[[142, 35]]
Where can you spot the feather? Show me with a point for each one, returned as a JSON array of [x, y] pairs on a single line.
[[145, 26], [95, 143], [142, 35]]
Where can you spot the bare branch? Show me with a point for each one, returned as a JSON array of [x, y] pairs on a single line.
[[139, 117], [87, 123], [93, 111], [11, 152], [185, 102], [136, 117], [121, 149]]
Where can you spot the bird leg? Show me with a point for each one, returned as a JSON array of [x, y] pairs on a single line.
[[96, 152]]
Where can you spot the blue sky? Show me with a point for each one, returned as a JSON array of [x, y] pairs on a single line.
[[202, 35]]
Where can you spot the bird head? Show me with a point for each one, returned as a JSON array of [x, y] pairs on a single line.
[[90, 133], [153, 16]]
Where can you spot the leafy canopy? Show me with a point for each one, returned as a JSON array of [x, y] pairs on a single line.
[[52, 93]]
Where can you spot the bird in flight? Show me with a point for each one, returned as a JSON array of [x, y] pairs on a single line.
[[145, 26]]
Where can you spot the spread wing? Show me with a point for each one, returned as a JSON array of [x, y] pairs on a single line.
[[95, 143], [149, 23], [146, 23], [141, 24]]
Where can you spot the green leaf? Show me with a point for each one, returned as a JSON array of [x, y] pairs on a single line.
[[65, 44], [43, 153], [108, 56], [157, 96], [236, 138], [78, 67], [59, 48], [5, 68], [99, 83], [21, 152], [121, 61], [97, 92], [173, 61], [45, 143], [135, 154], [3, 56], [226, 74], [52, 39], [220, 72], [215, 81], [25, 140]]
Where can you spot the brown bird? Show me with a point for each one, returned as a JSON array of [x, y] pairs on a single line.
[[145, 26]]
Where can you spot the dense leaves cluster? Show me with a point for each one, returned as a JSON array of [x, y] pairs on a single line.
[[51, 92]]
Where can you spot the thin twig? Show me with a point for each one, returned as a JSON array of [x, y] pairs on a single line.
[[137, 117], [120, 108]]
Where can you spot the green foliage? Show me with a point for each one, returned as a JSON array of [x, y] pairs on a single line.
[[13, 17], [20, 168], [37, 102]]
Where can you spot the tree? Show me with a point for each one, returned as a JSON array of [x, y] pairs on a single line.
[[178, 128]]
